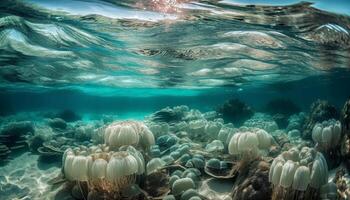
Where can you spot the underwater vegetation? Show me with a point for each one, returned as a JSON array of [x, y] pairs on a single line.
[[183, 153]]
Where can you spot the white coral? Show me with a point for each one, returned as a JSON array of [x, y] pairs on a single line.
[[299, 169], [327, 134]]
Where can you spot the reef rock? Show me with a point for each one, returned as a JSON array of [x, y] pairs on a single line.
[[235, 111], [57, 123], [68, 115], [345, 118], [281, 106], [169, 115], [262, 121], [252, 183], [296, 121], [281, 109], [13, 134], [320, 111], [17, 128], [4, 152]]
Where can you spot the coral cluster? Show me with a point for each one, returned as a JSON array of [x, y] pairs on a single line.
[[128, 133], [327, 134], [247, 144], [104, 171], [296, 121], [320, 111], [298, 174], [263, 121], [13, 137]]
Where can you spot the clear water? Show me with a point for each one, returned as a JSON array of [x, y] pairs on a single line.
[[131, 58], [141, 49]]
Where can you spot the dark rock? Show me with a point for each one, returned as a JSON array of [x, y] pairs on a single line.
[[68, 116], [281, 120], [235, 111], [320, 111], [167, 115], [57, 123], [345, 118], [35, 142], [252, 182], [281, 106], [17, 129], [156, 184], [13, 135], [4, 152]]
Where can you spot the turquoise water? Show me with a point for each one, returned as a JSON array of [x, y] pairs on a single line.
[[141, 49], [105, 61]]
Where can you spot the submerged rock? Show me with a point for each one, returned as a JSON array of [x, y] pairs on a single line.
[[4, 152], [320, 111], [252, 183], [68, 115], [13, 135], [296, 121], [57, 123], [235, 111], [169, 115], [281, 106], [263, 121], [17, 129], [345, 118]]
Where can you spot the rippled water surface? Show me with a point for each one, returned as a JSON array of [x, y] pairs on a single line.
[[167, 44], [204, 79]]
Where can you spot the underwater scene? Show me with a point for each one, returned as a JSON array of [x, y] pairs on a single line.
[[174, 100]]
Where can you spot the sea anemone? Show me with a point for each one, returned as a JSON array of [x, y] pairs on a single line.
[[247, 144], [126, 133], [319, 112], [103, 171], [327, 134], [298, 174]]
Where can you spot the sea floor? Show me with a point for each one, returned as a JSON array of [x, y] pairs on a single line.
[[26, 177], [189, 145]]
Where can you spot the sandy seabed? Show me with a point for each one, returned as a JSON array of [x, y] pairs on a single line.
[[25, 177]]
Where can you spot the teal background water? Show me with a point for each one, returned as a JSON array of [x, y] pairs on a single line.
[[137, 57]]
